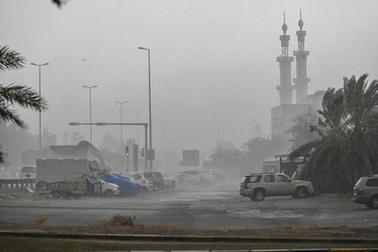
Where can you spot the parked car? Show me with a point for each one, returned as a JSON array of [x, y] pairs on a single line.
[[109, 189], [126, 186], [257, 186], [366, 191], [156, 178], [143, 183], [169, 183]]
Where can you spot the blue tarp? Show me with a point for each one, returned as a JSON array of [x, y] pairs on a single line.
[[126, 186]]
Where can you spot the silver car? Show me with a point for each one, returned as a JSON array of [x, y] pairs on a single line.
[[366, 191], [257, 186]]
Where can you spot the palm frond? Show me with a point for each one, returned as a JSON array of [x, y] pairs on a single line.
[[304, 150], [10, 59], [23, 96], [9, 115]]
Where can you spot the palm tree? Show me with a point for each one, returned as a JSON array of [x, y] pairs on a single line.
[[347, 147], [11, 94]]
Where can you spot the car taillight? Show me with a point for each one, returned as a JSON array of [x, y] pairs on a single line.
[[358, 191]]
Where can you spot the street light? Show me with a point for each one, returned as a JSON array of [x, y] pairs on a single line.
[[39, 92], [90, 110], [149, 98], [121, 115], [137, 112]]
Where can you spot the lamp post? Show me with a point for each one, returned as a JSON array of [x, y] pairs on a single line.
[[39, 92], [90, 110], [149, 99], [137, 112], [121, 117]]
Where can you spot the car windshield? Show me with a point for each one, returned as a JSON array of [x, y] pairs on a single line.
[[196, 125]]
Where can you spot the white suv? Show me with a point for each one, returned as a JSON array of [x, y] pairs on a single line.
[[257, 186]]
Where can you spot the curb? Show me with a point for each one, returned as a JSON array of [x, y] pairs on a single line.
[[191, 239]]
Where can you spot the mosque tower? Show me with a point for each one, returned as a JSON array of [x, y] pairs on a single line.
[[301, 81], [285, 88]]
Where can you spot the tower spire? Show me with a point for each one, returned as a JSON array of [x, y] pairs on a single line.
[[285, 88], [300, 22], [284, 25], [301, 81]]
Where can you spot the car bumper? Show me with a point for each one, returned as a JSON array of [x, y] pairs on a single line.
[[360, 199], [245, 193]]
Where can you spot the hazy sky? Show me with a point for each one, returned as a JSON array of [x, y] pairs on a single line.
[[213, 62]]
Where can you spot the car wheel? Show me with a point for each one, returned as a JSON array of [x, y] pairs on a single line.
[[373, 203], [108, 193], [301, 192], [258, 195]]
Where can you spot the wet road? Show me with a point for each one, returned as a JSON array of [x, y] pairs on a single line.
[[200, 208]]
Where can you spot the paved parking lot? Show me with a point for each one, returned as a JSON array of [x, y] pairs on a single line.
[[208, 207]]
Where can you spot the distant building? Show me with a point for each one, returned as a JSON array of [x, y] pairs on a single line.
[[283, 115]]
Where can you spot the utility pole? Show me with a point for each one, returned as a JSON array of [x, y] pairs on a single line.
[[121, 117], [137, 112], [39, 92], [149, 100], [90, 111], [121, 135]]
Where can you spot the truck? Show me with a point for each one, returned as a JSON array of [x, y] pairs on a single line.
[[69, 178]]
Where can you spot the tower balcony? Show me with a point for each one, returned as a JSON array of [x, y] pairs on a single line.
[[285, 88], [285, 59], [301, 53], [299, 81]]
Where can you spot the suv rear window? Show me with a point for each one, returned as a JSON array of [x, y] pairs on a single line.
[[252, 179], [372, 182]]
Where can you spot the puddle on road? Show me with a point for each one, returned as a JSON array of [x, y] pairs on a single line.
[[264, 215]]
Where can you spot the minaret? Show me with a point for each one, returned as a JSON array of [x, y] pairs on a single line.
[[285, 88], [301, 81]]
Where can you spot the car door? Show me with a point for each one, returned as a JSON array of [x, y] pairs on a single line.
[[282, 185], [269, 184]]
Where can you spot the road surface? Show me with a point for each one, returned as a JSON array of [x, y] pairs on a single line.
[[205, 208]]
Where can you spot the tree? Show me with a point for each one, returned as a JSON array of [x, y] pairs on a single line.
[[301, 130], [347, 147], [258, 149], [11, 94]]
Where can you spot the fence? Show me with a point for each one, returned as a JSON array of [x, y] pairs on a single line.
[[17, 183]]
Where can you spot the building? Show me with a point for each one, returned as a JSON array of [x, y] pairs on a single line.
[[283, 115]]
